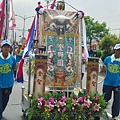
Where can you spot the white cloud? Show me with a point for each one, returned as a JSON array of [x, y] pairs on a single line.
[[102, 10]]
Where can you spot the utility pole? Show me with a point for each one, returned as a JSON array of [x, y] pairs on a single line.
[[24, 19]]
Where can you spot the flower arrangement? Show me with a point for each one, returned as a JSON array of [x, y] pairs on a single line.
[[55, 106]]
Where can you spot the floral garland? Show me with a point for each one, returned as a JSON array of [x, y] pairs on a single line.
[[55, 106]]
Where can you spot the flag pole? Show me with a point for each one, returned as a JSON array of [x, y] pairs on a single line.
[[29, 76], [2, 16], [7, 5], [13, 32], [79, 83]]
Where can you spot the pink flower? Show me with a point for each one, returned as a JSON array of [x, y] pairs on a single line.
[[96, 98], [62, 104], [51, 100], [74, 102], [96, 107], [89, 113], [39, 105], [57, 104], [40, 99], [63, 98], [64, 109], [87, 103], [51, 107], [47, 103], [80, 99], [88, 96]]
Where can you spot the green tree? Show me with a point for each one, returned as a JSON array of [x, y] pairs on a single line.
[[95, 30], [107, 45]]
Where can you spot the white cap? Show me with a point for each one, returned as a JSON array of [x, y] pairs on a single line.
[[5, 42], [117, 46]]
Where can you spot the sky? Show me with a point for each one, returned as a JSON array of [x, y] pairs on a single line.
[[101, 10]]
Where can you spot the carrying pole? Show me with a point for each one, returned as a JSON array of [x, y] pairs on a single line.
[[80, 57], [29, 76]]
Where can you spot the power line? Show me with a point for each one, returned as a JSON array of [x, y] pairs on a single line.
[[112, 19], [108, 16], [114, 29]]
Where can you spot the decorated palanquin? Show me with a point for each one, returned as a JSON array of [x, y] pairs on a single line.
[[57, 62], [59, 53], [60, 33]]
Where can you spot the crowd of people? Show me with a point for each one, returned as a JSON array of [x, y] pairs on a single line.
[[9, 64]]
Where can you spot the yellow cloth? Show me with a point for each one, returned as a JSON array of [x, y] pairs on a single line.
[[18, 52]]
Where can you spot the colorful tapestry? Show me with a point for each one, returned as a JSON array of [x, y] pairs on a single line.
[[60, 30]]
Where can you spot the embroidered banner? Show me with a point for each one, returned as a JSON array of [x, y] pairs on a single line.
[[60, 30]]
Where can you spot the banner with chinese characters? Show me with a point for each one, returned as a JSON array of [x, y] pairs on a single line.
[[92, 75], [60, 32], [40, 75]]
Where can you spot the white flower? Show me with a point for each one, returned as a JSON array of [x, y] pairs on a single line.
[[77, 90]]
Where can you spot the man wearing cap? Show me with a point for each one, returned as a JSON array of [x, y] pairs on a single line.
[[19, 52], [112, 80], [7, 65], [18, 56]]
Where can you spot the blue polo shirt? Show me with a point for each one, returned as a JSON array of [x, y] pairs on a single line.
[[6, 72], [18, 58], [112, 77]]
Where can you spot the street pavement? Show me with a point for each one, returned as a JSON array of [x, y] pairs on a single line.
[[13, 110]]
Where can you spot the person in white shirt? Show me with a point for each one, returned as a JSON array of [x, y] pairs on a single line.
[[84, 59]]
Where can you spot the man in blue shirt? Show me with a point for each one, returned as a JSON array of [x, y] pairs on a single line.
[[7, 65], [112, 80], [18, 55], [19, 52]]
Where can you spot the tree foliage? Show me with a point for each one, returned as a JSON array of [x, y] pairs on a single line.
[[95, 30], [108, 41], [107, 44]]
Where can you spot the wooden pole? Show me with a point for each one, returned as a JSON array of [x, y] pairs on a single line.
[[29, 76]]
